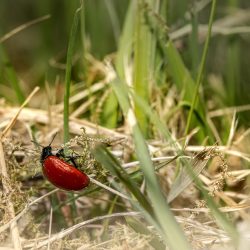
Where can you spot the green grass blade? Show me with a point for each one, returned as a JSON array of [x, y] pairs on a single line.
[[70, 53], [183, 179], [121, 91], [126, 41], [175, 238], [143, 62], [109, 113], [114, 19], [202, 66], [178, 71]]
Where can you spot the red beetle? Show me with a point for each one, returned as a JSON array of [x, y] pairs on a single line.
[[60, 173]]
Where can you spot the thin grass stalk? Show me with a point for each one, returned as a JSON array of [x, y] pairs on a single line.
[[202, 66], [70, 52]]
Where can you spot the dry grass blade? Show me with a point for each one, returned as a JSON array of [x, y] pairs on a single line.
[[184, 179], [222, 149], [228, 111], [50, 226], [232, 131], [7, 189], [41, 116], [12, 122], [109, 189], [22, 27]]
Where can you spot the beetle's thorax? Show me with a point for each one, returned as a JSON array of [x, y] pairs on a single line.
[[46, 152]]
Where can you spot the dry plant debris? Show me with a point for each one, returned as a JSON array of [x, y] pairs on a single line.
[[31, 197]]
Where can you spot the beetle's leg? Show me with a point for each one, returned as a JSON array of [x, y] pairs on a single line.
[[60, 153], [72, 159]]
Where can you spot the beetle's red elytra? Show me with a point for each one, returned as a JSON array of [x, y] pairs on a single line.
[[63, 175], [60, 173]]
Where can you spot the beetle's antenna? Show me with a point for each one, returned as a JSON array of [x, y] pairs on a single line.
[[37, 144], [53, 138]]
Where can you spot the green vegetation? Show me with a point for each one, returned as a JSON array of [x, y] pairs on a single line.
[[170, 77]]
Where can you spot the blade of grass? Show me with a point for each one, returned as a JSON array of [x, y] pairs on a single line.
[[109, 113], [113, 19], [174, 237], [183, 180], [143, 58], [70, 53], [125, 43], [202, 66]]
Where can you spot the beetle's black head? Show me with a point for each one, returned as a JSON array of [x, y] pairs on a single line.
[[47, 151]]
